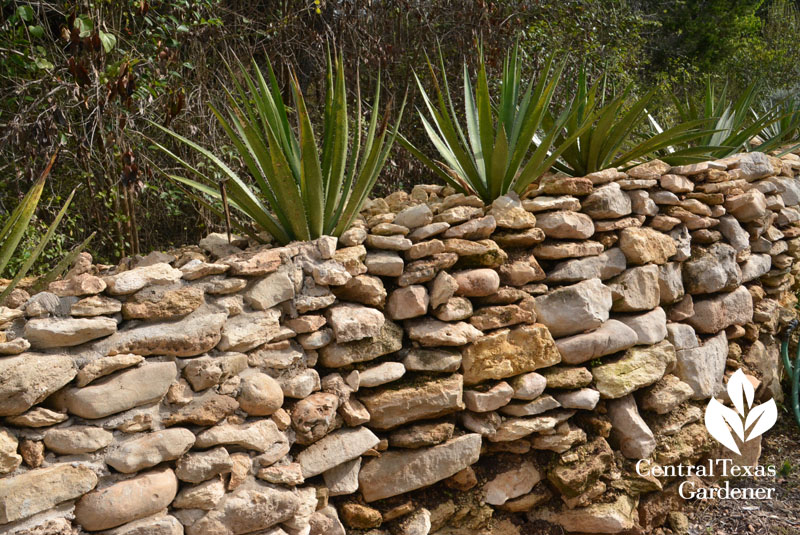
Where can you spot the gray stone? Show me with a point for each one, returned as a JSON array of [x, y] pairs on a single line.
[[31, 377], [650, 328], [637, 289], [636, 440], [712, 270], [566, 225], [607, 202], [603, 266], [149, 450], [572, 309], [388, 340], [639, 367], [47, 333], [398, 472], [335, 449], [716, 313], [610, 337], [77, 439], [703, 367]]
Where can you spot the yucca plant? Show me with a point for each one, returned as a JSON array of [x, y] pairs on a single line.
[[300, 193], [732, 124], [612, 132], [13, 229], [505, 147]]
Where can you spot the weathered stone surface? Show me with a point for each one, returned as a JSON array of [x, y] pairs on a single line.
[[521, 269], [433, 333], [515, 428], [248, 509], [134, 280], [475, 229], [484, 401], [9, 459], [544, 203], [14, 347], [83, 284], [716, 313], [703, 367], [195, 467], [158, 303], [260, 435], [564, 249], [584, 398], [637, 289], [105, 366], [712, 270], [204, 496], [755, 266], [509, 352], [158, 524], [387, 264], [455, 309], [528, 385], [122, 391], [30, 378], [398, 405], [254, 262], [249, 330], [149, 450], [565, 225], [421, 435], [495, 317], [432, 360], [612, 517], [343, 479], [398, 472], [572, 309], [639, 367], [259, 394], [670, 282], [644, 245], [610, 337], [676, 183], [665, 395], [77, 439], [636, 440], [127, 500], [273, 289], [193, 335], [650, 328], [381, 374], [388, 340], [607, 202], [335, 449], [207, 409], [507, 210], [414, 216], [603, 266], [204, 372], [39, 490], [314, 416], [352, 322], [47, 333], [477, 282], [542, 404], [651, 170], [408, 302], [511, 484], [364, 289], [748, 206], [37, 417]]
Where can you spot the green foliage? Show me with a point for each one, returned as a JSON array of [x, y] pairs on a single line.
[[787, 128], [14, 228], [489, 161], [608, 134], [309, 197]]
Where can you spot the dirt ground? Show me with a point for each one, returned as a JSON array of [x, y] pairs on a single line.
[[780, 516]]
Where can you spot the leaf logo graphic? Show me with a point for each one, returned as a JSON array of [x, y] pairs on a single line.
[[723, 422]]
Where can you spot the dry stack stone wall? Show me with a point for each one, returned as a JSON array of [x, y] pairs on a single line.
[[443, 367]]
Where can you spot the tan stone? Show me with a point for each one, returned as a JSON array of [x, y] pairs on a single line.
[[398, 405], [32, 378]]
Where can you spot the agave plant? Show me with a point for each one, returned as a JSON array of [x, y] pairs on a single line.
[[301, 194], [505, 147], [612, 132], [14, 228], [733, 124], [787, 128]]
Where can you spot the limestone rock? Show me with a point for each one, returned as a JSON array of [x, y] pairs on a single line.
[[398, 472], [127, 500], [30, 378], [343, 479], [432, 360], [158, 303], [398, 405], [260, 436], [352, 322], [565, 225], [528, 385], [477, 282], [607, 202], [603, 266], [414, 216], [9, 459], [158, 524], [408, 302], [195, 334], [636, 441], [249, 330], [637, 289], [388, 340], [644, 245], [207, 409], [712, 270], [47, 333], [335, 449], [703, 367], [432, 333], [716, 313], [77, 439], [612, 517], [508, 352], [484, 401], [195, 467], [39, 490], [572, 309], [134, 280], [254, 262], [650, 328], [665, 395], [511, 484], [260, 394], [122, 391], [610, 337], [83, 284], [639, 367], [37, 417], [105, 366], [149, 450], [364, 289]]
